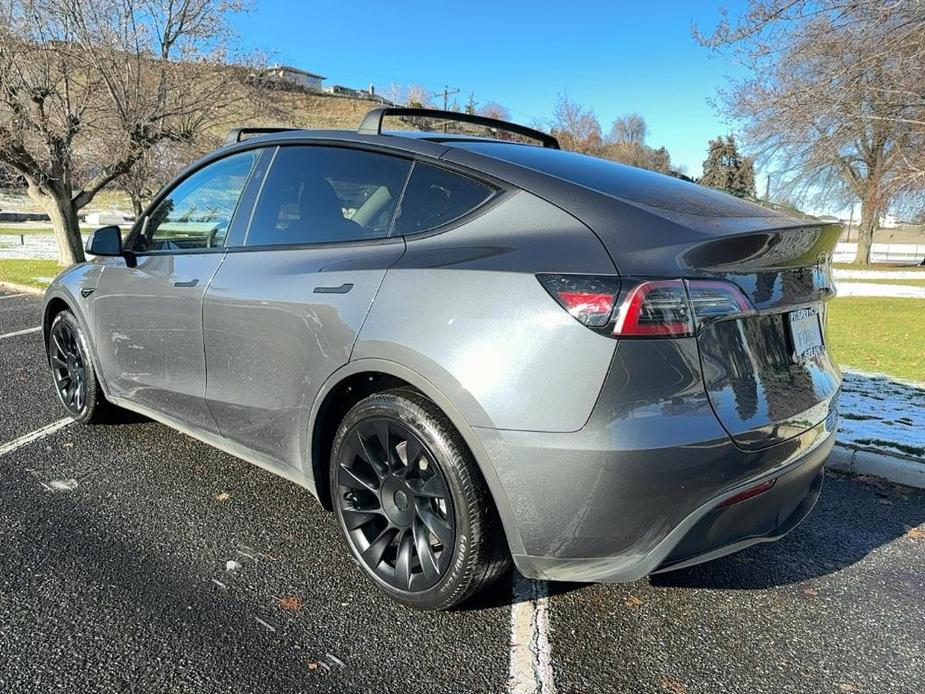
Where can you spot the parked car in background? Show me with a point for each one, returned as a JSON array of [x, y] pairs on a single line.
[[471, 349]]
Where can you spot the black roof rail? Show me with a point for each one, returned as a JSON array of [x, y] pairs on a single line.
[[237, 134], [372, 122]]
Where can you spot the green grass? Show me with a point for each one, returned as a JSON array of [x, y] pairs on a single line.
[[26, 271], [883, 335]]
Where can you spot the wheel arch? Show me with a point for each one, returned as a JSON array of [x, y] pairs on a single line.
[[384, 375], [57, 301]]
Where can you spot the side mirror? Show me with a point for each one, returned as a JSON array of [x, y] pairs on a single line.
[[105, 241]]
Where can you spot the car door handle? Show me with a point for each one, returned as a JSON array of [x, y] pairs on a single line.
[[342, 289], [190, 283]]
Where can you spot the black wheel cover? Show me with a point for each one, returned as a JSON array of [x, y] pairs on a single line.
[[395, 504], [67, 365]]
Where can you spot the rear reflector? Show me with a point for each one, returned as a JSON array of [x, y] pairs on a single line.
[[749, 493], [588, 298]]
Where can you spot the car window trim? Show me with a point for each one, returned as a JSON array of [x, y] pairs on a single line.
[[345, 146], [501, 190], [142, 223], [495, 192], [496, 198]]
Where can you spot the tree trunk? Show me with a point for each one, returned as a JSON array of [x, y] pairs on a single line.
[[137, 207], [60, 208], [870, 212]]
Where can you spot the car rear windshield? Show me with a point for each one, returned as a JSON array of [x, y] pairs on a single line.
[[620, 181]]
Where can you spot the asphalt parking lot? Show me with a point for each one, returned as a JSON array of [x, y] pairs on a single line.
[[115, 543]]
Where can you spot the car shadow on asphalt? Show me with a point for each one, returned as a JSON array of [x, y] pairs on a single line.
[[512, 589], [854, 517]]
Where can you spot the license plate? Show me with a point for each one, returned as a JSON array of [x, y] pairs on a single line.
[[805, 333]]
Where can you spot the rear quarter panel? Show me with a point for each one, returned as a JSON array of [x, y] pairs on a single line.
[[464, 309]]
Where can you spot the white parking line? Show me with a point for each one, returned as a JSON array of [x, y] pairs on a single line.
[[21, 332], [531, 655], [11, 296], [34, 436]]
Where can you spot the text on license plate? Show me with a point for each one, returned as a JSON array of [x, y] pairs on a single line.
[[806, 333]]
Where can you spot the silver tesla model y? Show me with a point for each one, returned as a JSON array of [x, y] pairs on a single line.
[[471, 349]]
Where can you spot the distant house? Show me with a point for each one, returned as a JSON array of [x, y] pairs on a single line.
[[295, 76]]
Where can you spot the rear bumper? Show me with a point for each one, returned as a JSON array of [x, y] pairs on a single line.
[[706, 533], [637, 489]]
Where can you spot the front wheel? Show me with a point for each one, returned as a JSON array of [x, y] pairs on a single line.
[[73, 372], [412, 504]]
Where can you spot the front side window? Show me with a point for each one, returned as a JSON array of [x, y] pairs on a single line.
[[198, 212], [327, 194], [435, 196]]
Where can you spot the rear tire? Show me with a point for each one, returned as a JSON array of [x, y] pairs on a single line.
[[411, 502], [72, 369]]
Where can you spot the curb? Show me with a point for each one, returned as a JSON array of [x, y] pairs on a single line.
[[25, 288], [857, 461]]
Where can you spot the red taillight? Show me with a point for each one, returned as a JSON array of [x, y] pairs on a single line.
[[749, 493], [588, 298], [655, 309], [715, 299], [650, 308], [678, 308]]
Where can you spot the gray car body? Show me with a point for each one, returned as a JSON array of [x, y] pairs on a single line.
[[601, 455]]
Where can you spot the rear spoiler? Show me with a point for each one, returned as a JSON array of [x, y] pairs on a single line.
[[237, 134], [372, 122]]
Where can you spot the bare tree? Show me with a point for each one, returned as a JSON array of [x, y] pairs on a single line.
[[576, 127], [833, 99], [417, 96], [88, 86], [495, 110], [631, 128], [155, 167]]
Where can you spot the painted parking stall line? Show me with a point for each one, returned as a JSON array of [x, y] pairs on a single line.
[[32, 436], [12, 296], [531, 653], [17, 333]]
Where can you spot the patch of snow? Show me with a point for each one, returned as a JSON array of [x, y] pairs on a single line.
[[900, 291], [840, 274], [882, 413], [32, 246]]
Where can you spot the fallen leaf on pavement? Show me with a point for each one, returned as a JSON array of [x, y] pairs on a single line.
[[915, 533], [848, 687], [313, 665], [224, 496], [632, 601], [810, 591], [673, 686], [290, 602]]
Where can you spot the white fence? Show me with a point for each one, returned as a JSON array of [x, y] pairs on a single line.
[[897, 253]]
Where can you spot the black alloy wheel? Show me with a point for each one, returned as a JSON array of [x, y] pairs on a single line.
[[395, 505], [73, 371], [68, 365], [412, 504]]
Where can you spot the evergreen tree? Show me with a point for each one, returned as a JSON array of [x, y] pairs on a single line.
[[726, 169]]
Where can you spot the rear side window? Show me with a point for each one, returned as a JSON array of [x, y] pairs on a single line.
[[327, 194], [435, 196]]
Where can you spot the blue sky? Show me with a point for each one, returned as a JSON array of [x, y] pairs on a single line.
[[614, 57]]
